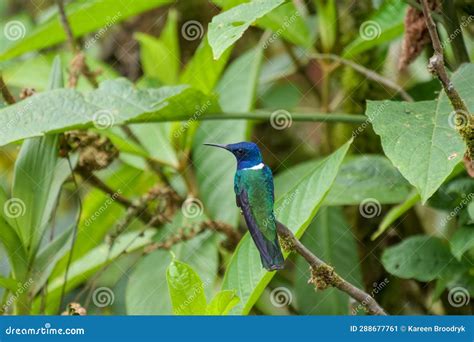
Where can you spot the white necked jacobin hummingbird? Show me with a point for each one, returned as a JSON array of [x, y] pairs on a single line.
[[253, 186]]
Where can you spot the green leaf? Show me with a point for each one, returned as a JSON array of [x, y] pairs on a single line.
[[113, 103], [295, 209], [462, 241], [327, 21], [84, 16], [203, 72], [222, 303], [8, 283], [382, 27], [160, 58], [101, 212], [360, 177], [420, 138], [423, 258], [11, 242], [34, 72], [215, 169], [395, 213], [286, 21], [38, 177], [201, 253], [186, 289], [87, 265], [227, 27], [330, 235], [48, 257]]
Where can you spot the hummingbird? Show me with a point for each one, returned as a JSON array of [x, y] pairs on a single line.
[[254, 191]]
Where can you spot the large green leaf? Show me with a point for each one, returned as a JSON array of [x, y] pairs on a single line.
[[84, 16], [420, 138], [160, 58], [222, 303], [86, 266], [382, 27], [203, 71], [186, 289], [330, 235], [215, 169], [360, 177], [462, 241], [295, 209], [201, 253], [38, 177], [11, 242], [423, 258], [227, 27], [101, 212], [114, 102]]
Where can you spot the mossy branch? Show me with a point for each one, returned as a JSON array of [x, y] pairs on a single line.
[[437, 66], [324, 276]]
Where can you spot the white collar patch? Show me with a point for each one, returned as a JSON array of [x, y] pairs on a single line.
[[256, 167]]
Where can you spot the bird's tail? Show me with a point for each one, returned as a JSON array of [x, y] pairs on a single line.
[[272, 258]]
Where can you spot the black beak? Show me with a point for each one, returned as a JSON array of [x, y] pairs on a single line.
[[217, 145]]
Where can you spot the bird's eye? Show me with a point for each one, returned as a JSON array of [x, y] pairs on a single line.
[[240, 151]]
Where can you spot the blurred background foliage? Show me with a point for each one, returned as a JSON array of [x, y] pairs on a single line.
[[154, 210]]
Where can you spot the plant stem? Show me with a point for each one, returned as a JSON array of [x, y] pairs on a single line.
[[7, 95], [266, 116], [436, 65], [437, 62], [334, 279], [74, 237], [366, 72], [66, 26]]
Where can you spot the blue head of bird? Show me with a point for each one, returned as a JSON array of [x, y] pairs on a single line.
[[247, 153]]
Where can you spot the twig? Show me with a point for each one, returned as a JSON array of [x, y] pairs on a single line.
[[78, 63], [325, 275], [366, 72], [66, 26], [437, 67], [7, 96], [74, 236], [436, 63], [233, 237]]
